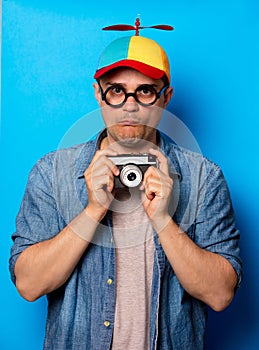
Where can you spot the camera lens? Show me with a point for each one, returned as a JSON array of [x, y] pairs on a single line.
[[131, 176]]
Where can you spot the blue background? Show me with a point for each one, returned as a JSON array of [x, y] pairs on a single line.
[[49, 54]]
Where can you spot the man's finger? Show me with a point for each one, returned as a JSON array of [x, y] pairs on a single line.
[[162, 160]]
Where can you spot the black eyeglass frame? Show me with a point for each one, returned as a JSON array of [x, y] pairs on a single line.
[[158, 94]]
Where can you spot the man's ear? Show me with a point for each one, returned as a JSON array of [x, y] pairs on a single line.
[[168, 95], [97, 93]]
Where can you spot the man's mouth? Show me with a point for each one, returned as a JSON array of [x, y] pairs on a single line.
[[128, 122]]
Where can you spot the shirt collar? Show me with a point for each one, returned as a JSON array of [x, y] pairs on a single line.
[[168, 147], [87, 153]]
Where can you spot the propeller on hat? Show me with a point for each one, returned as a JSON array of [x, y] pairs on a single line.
[[137, 27]]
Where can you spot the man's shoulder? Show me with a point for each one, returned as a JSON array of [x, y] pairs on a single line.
[[63, 163], [69, 154], [187, 161]]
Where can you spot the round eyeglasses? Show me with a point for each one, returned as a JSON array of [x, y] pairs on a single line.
[[145, 94]]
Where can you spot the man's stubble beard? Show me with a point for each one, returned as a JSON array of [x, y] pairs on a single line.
[[137, 143]]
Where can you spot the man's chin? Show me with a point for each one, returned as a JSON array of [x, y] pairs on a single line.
[[136, 141], [130, 142]]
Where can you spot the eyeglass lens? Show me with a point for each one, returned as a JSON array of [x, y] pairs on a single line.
[[145, 94]]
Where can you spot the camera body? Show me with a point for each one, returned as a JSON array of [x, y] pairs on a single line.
[[132, 168]]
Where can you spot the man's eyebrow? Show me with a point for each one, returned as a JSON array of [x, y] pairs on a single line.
[[114, 83], [108, 83]]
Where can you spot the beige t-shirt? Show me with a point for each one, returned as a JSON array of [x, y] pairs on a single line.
[[134, 247]]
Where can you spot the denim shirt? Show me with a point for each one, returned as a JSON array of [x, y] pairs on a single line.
[[81, 312]]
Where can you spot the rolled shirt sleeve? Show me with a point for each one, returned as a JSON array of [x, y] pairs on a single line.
[[37, 219], [215, 228]]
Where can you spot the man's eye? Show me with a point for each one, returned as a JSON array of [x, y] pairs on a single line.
[[145, 91], [117, 90]]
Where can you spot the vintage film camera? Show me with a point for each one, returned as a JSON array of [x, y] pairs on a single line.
[[132, 168]]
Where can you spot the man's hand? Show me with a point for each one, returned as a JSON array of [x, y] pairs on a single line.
[[99, 178], [157, 186]]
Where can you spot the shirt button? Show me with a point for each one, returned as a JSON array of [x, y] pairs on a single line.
[[109, 281], [106, 323]]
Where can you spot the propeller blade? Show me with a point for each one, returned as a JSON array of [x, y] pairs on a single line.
[[160, 26], [119, 27]]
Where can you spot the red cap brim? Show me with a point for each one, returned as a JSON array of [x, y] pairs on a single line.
[[143, 68]]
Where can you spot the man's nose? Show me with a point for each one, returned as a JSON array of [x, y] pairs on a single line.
[[131, 104]]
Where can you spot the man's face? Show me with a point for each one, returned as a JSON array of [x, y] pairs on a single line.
[[131, 122]]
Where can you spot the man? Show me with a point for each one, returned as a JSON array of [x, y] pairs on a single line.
[[127, 267]]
